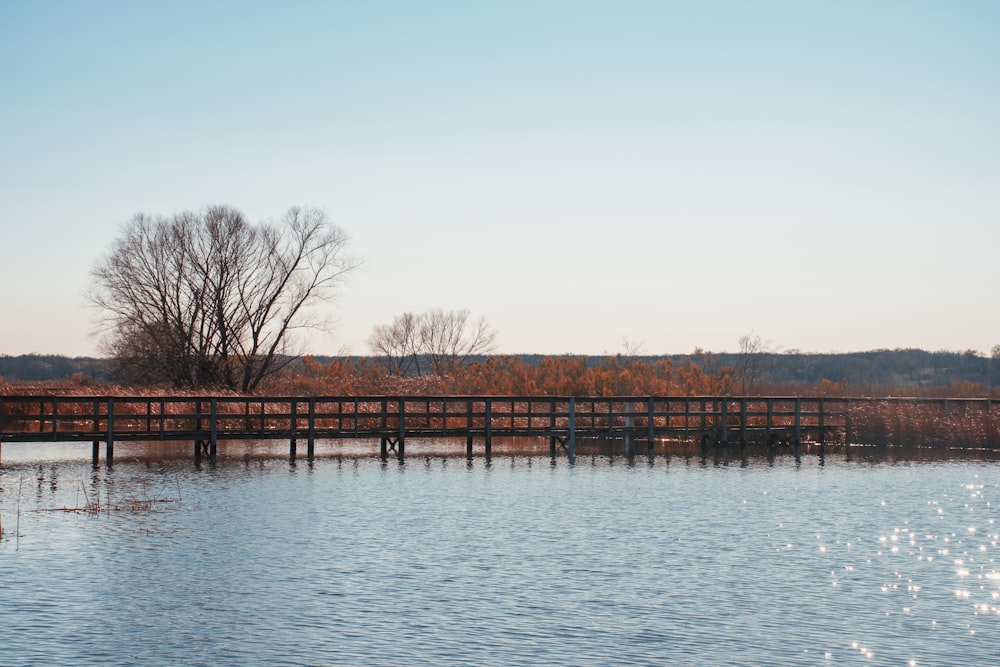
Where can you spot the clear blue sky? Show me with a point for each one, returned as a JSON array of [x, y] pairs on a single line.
[[678, 174]]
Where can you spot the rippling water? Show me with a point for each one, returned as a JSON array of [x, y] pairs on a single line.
[[348, 561]]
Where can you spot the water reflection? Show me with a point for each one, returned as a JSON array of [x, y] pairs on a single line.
[[613, 450], [524, 560]]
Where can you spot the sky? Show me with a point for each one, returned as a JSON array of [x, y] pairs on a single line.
[[593, 177]]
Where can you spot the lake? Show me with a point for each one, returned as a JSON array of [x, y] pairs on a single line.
[[346, 560]]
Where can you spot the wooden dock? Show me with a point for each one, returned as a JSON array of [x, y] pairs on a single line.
[[392, 421]]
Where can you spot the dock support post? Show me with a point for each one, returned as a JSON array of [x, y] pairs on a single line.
[[489, 430], [572, 430], [798, 424], [724, 439], [552, 446], [629, 420], [311, 443], [95, 453], [770, 420], [822, 422], [213, 428], [387, 444], [109, 453], [743, 428], [848, 435], [293, 441], [649, 429], [401, 442], [468, 428]]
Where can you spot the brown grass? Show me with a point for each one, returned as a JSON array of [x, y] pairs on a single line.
[[907, 423]]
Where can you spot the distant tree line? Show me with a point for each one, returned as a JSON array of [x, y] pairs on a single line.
[[48, 368], [858, 373], [871, 369]]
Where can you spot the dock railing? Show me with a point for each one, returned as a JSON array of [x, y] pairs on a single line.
[[206, 420]]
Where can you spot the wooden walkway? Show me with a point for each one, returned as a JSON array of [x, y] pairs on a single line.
[[206, 421]]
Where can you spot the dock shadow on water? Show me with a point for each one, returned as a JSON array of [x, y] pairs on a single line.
[[701, 557]]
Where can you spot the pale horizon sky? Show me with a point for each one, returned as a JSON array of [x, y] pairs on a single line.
[[673, 174]]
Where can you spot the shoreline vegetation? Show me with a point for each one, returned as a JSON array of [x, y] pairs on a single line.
[[896, 372], [699, 374]]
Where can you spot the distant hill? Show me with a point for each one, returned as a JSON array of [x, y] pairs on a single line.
[[41, 368], [876, 368]]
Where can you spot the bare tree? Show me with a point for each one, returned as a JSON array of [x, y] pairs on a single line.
[[211, 299], [398, 344], [449, 338], [750, 365], [444, 340], [632, 348], [994, 364]]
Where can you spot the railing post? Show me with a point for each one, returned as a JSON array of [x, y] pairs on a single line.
[[743, 427], [629, 422], [311, 444], [109, 452], [798, 424], [402, 428], [650, 428], [213, 426], [847, 426], [198, 442], [572, 430], [725, 422], [468, 429], [293, 408], [489, 430], [822, 422], [770, 420]]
